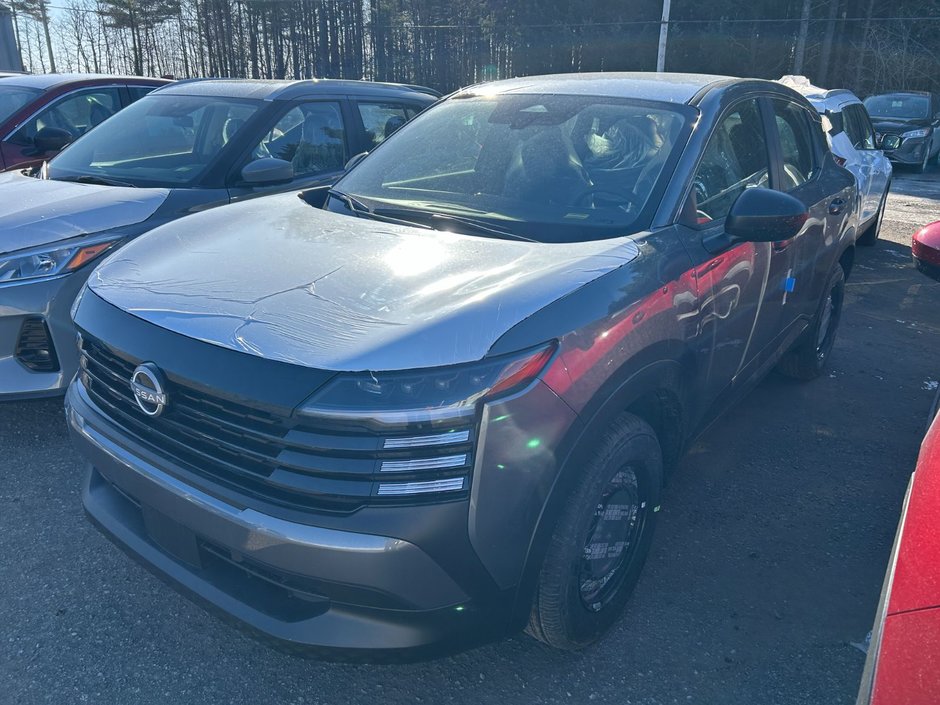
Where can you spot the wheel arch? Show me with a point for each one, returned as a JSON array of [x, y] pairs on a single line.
[[654, 386]]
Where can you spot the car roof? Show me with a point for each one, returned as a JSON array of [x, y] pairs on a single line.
[[291, 90], [665, 87], [823, 99], [44, 81]]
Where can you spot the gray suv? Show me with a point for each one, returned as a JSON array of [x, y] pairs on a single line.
[[442, 408]]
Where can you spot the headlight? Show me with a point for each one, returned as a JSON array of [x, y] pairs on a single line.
[[437, 395], [923, 132], [49, 262]]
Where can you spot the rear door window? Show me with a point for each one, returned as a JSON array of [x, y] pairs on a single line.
[[380, 120], [865, 130], [138, 92], [796, 143]]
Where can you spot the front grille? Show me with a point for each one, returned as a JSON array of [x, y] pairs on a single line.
[[34, 348], [282, 459]]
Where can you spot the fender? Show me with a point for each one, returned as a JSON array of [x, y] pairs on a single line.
[[648, 372]]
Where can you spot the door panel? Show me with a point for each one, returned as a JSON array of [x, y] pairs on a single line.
[[741, 285]]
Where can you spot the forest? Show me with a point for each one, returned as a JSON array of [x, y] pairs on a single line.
[[865, 45]]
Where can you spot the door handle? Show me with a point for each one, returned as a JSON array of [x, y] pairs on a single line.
[[836, 206]]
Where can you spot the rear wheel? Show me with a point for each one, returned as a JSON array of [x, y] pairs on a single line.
[[602, 538], [870, 236], [808, 358]]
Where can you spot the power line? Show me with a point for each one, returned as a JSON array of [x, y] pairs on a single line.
[[588, 25]]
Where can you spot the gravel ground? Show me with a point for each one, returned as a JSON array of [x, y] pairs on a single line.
[[767, 563]]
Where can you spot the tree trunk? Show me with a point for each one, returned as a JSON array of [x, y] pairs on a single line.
[[44, 18]]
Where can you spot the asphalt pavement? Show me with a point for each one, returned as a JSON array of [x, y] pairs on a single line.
[[767, 563]]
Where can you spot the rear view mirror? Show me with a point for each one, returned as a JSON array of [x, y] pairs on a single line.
[[268, 170], [765, 215], [355, 159], [51, 139], [925, 248]]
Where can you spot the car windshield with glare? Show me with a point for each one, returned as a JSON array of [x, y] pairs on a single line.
[[550, 168], [905, 107], [159, 141], [15, 98]]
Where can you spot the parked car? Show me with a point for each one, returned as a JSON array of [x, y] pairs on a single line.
[[40, 114], [925, 249], [441, 408], [903, 663], [854, 144], [906, 123], [184, 148]]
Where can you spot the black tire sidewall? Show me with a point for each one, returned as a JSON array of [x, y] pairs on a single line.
[[637, 447], [836, 286]]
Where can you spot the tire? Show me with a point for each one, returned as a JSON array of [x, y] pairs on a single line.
[[921, 168], [578, 598], [870, 236], [808, 358]]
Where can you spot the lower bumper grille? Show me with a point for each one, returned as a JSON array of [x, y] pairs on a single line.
[[278, 458], [34, 348]]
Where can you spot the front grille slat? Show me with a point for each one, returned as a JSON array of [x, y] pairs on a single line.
[[279, 458]]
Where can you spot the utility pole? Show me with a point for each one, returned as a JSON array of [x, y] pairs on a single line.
[[801, 39], [663, 35]]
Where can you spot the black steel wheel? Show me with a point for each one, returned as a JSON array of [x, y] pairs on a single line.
[[601, 540], [808, 358]]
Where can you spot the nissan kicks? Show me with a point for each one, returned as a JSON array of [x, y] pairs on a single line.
[[442, 408]]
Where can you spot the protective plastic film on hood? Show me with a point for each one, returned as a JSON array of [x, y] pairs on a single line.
[[276, 278], [36, 212]]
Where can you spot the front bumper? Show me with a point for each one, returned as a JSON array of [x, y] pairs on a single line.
[[50, 299], [309, 587], [911, 151]]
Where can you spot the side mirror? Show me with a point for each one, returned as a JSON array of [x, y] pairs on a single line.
[[355, 159], [765, 215], [51, 139], [925, 248], [268, 170]]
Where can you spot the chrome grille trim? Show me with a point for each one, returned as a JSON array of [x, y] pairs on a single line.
[[440, 439], [444, 462], [410, 488]]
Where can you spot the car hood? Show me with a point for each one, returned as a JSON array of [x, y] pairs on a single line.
[[897, 125], [276, 278], [36, 212]]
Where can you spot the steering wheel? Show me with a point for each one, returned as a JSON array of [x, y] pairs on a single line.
[[620, 198]]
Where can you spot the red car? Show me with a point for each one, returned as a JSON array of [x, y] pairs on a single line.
[[903, 665], [41, 114]]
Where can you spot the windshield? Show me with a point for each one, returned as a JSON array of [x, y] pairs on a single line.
[[906, 107], [159, 141], [551, 168], [14, 98]]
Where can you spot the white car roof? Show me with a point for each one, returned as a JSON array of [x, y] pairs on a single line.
[[823, 99]]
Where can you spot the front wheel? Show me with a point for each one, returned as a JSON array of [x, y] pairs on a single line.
[[601, 540], [808, 358]]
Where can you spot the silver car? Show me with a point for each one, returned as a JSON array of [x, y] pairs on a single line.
[[182, 149]]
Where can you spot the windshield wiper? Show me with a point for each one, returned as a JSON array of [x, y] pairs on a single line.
[[92, 179], [467, 225], [363, 211]]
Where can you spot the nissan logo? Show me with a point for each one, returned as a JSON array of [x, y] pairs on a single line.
[[149, 389]]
